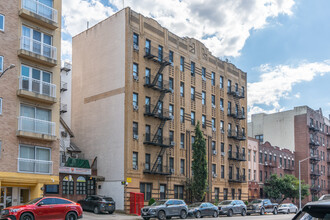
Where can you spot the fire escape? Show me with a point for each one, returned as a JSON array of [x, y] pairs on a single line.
[[157, 111]]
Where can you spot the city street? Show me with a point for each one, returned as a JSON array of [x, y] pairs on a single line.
[[92, 216]]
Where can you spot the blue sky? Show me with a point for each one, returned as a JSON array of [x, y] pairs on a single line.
[[283, 45]]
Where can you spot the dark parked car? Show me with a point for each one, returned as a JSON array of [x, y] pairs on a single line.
[[319, 210], [98, 204], [262, 206], [199, 210], [165, 209], [44, 208], [230, 207]]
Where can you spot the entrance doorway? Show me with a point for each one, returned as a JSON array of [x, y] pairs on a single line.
[[6, 197], [24, 196]]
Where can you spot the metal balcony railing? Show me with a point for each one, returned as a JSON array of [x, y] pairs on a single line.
[[64, 86], [236, 178], [270, 164], [236, 135], [158, 141], [153, 53], [316, 188], [40, 9], [160, 113], [37, 86], [314, 158], [236, 156], [35, 166], [160, 169], [36, 126], [159, 85], [38, 47], [289, 168], [239, 93], [313, 143], [315, 174], [237, 115]]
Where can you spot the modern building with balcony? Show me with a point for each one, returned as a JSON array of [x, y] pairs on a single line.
[[304, 131], [30, 36], [138, 91]]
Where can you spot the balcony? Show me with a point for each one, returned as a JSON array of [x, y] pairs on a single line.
[[239, 93], [162, 113], [158, 141], [38, 51], [159, 170], [35, 166], [314, 158], [153, 54], [236, 156], [236, 115], [289, 168], [270, 164], [313, 143], [40, 13], [315, 188], [236, 135], [36, 129], [64, 86], [162, 86], [37, 90], [236, 178], [313, 128], [63, 108], [315, 174]]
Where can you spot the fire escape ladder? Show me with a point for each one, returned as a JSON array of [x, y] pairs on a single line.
[[160, 100], [157, 137], [163, 64], [156, 163]]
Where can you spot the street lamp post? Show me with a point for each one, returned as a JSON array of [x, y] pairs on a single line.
[[300, 182], [8, 68]]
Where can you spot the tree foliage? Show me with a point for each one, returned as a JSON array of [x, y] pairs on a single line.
[[286, 187], [199, 166]]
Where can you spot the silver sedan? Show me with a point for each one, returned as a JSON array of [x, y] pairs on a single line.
[[287, 208]]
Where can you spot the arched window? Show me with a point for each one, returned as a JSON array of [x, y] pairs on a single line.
[[68, 185], [81, 185]]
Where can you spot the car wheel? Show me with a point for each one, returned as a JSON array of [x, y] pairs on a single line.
[[161, 215], [198, 214], [230, 213], [215, 214], [262, 211], [275, 211], [296, 211], [96, 210], [288, 212], [71, 216], [26, 216], [168, 217], [243, 212], [146, 218], [111, 212], [183, 214]]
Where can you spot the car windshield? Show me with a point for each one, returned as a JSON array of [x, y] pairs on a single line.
[[306, 216], [325, 197], [108, 199], [33, 201], [225, 202], [284, 205], [194, 205], [157, 203], [256, 201]]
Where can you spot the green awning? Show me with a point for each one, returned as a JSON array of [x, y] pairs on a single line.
[[79, 163]]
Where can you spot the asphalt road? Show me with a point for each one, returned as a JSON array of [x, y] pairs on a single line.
[[116, 216]]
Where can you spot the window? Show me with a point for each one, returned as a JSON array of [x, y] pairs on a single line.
[[192, 68], [229, 108], [160, 81], [192, 141], [67, 185], [147, 132], [135, 99], [225, 194], [221, 104], [181, 64], [232, 193], [260, 176], [135, 70], [135, 129], [229, 86], [135, 160], [214, 169], [135, 41], [260, 138], [182, 166], [0, 106], [34, 159], [181, 115], [213, 100], [170, 109], [203, 98], [147, 164], [222, 127], [222, 171], [280, 161], [203, 121], [160, 53], [249, 174], [243, 91], [148, 47], [171, 163], [265, 157], [203, 73], [181, 89], [213, 79], [260, 157], [171, 84], [171, 57], [265, 175], [162, 191], [213, 124], [249, 155], [254, 156], [37, 81], [81, 185], [192, 118], [147, 76], [182, 141], [160, 164], [216, 194], [146, 189], [213, 145], [254, 175], [1, 64], [221, 82], [147, 104], [171, 134], [43, 8], [178, 192], [2, 22], [243, 111], [236, 87], [52, 189], [239, 194], [222, 147]]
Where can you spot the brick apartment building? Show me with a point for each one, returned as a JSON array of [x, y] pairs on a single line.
[[253, 168], [138, 91], [305, 131], [30, 38]]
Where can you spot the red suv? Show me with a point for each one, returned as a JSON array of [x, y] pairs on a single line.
[[45, 208]]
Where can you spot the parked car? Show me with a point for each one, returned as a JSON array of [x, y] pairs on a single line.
[[325, 197], [98, 204], [200, 210], [230, 207], [287, 208], [165, 209], [262, 206], [318, 210], [44, 208]]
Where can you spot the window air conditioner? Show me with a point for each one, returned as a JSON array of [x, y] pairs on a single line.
[[135, 107], [214, 152], [135, 167], [136, 137], [136, 47], [136, 78], [172, 143]]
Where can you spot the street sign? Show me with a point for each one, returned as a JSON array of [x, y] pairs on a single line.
[[129, 180]]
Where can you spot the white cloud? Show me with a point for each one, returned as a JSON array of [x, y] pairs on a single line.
[[276, 83], [66, 48]]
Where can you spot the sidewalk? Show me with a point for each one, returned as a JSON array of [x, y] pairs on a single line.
[[119, 216]]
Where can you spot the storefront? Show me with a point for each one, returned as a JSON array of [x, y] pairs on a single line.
[[12, 196]]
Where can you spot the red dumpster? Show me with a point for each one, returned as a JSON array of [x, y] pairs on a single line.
[[136, 203]]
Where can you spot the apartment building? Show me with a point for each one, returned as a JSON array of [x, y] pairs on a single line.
[[253, 167], [30, 36], [305, 131], [138, 91]]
